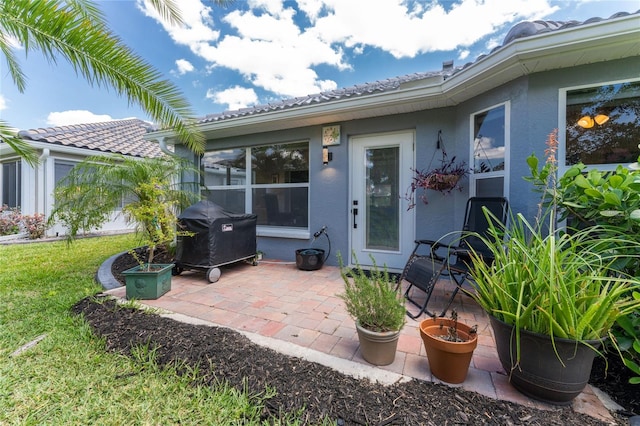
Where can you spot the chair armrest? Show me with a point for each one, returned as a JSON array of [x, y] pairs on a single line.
[[434, 247], [461, 252]]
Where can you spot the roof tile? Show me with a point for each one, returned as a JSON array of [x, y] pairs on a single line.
[[117, 136], [520, 30]]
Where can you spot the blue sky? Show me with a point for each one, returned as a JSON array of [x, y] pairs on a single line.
[[257, 51]]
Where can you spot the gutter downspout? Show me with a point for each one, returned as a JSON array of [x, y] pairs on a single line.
[[42, 198], [162, 143]]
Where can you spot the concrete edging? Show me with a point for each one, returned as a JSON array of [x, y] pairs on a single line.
[[104, 277]]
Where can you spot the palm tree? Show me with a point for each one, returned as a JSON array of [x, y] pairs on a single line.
[[77, 31], [148, 188]]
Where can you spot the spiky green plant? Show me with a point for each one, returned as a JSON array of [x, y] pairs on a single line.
[[544, 280]]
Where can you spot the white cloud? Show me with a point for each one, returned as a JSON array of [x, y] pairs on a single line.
[[198, 25], [388, 25], [3, 103], [67, 118], [235, 97], [270, 49], [184, 66]]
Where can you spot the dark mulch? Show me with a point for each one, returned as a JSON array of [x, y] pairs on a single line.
[[224, 354]]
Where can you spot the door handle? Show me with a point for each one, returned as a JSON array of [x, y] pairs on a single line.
[[354, 210]]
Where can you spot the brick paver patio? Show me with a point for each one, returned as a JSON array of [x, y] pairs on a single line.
[[276, 300]]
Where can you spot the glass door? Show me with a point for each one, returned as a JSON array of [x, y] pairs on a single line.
[[381, 225]]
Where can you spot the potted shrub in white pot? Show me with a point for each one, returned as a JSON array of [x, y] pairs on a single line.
[[552, 297], [372, 300]]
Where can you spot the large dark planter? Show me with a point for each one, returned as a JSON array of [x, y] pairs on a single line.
[[378, 348], [309, 259], [148, 284], [542, 374], [448, 361]]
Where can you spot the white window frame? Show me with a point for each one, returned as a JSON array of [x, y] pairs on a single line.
[[19, 181], [249, 186], [562, 125], [505, 173]]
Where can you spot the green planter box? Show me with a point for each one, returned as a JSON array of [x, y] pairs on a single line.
[[142, 284]]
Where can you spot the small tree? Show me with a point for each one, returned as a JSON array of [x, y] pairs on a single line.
[[154, 214], [95, 188]]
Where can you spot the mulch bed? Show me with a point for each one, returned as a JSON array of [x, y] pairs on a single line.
[[223, 354]]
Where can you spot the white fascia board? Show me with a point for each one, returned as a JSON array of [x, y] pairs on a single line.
[[56, 148], [592, 43], [69, 150]]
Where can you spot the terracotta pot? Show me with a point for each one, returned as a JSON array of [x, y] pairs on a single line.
[[540, 374], [378, 348], [449, 361]]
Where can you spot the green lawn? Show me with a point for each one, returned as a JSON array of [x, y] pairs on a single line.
[[68, 378]]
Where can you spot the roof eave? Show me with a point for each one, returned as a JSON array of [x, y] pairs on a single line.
[[386, 103], [575, 46], [582, 45]]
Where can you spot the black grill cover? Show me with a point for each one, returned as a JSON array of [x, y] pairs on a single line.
[[220, 237]]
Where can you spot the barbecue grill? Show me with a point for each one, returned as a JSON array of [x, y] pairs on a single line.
[[212, 237]]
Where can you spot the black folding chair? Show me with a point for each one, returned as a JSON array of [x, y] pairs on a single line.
[[432, 259]]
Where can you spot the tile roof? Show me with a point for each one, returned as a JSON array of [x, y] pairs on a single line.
[[119, 136], [520, 30]]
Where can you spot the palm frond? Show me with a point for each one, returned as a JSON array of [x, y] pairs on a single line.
[[78, 33], [20, 146], [18, 77], [168, 10]]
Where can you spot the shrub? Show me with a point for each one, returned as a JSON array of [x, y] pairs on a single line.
[[372, 298], [35, 225], [9, 220]]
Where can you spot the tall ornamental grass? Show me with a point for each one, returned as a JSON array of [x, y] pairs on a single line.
[[565, 284]]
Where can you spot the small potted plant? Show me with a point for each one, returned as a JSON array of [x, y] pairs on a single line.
[[93, 189], [156, 224], [449, 345], [372, 300], [444, 178], [552, 296]]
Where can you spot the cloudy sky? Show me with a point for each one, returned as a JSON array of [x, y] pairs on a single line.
[[258, 51]]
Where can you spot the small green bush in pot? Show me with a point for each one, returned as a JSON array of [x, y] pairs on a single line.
[[373, 300]]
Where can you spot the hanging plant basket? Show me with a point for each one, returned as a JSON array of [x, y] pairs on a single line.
[[444, 178], [442, 182]]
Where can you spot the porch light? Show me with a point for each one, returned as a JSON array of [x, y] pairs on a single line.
[[588, 122], [326, 155], [601, 119]]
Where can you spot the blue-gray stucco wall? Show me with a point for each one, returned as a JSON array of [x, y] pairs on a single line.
[[534, 103]]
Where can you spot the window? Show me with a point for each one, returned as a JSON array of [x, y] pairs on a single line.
[[489, 137], [602, 124], [12, 183], [276, 188], [61, 170]]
